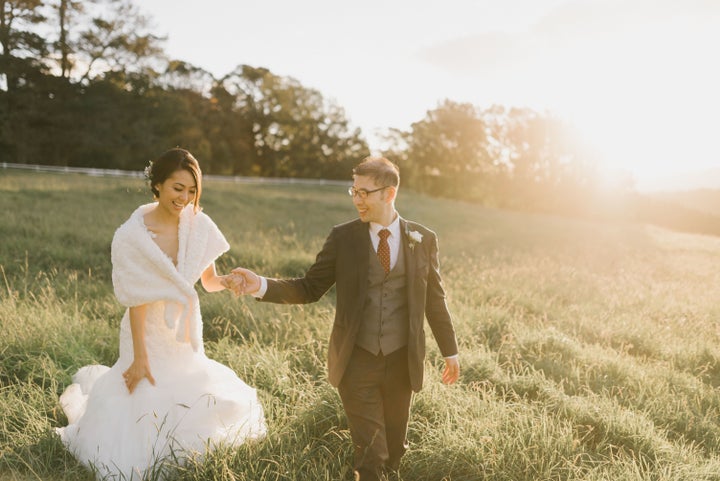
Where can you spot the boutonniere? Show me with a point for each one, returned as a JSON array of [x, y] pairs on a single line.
[[414, 237]]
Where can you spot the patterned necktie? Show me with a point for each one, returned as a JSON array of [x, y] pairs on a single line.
[[383, 251]]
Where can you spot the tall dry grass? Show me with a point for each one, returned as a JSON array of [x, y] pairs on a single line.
[[590, 351]]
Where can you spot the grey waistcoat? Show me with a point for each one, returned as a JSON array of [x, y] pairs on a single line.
[[384, 326]]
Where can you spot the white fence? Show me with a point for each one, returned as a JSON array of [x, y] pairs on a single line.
[[134, 173]]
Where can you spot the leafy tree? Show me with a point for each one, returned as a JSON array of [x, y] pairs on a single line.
[[293, 130], [516, 158], [546, 166], [184, 76], [47, 118], [448, 152], [23, 50], [68, 14], [242, 93], [22, 68], [117, 39]]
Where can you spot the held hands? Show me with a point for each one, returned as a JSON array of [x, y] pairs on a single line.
[[242, 281], [232, 283]]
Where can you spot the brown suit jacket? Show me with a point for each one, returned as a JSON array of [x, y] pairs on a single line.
[[343, 261]]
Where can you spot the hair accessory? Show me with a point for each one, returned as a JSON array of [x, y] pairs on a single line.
[[148, 171]]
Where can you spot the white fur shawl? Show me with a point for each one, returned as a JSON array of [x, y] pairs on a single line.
[[142, 273]]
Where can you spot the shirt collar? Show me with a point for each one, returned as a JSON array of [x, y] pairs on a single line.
[[394, 227]]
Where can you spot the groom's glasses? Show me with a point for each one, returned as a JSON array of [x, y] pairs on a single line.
[[363, 193]]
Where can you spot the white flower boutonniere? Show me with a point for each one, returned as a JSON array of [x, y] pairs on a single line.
[[415, 238]]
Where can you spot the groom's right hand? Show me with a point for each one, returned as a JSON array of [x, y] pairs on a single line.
[[251, 280]]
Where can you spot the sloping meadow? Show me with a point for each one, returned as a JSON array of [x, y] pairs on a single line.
[[588, 350]]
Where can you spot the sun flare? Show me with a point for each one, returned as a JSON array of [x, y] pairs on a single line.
[[646, 108]]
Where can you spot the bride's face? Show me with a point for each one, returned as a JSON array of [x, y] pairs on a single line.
[[177, 191]]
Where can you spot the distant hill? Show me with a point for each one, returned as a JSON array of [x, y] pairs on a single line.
[[682, 181], [696, 211], [704, 200]]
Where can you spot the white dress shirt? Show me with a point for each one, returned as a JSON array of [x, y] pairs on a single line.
[[393, 239]]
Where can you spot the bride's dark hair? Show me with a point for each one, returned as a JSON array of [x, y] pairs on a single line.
[[169, 162]]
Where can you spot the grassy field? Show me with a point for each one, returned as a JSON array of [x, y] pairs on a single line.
[[590, 351]]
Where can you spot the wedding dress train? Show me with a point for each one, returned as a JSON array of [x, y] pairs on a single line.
[[194, 404]]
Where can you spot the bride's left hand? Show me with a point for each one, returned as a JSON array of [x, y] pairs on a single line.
[[234, 282], [135, 373]]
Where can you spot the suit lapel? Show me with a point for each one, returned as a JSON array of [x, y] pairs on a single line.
[[410, 270], [409, 254], [361, 250]]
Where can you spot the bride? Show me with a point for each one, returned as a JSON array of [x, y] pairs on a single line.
[[163, 398]]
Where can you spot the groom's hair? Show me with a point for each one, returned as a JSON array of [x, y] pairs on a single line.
[[379, 169], [170, 162]]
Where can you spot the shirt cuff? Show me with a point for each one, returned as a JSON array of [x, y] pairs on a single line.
[[454, 356], [260, 293]]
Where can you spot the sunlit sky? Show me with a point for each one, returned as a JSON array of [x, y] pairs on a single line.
[[640, 79]]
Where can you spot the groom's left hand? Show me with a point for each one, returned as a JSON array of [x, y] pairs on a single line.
[[452, 370]]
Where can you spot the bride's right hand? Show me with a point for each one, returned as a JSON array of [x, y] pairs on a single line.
[[251, 281], [136, 372]]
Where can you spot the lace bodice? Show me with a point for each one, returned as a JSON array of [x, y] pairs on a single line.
[[160, 341]]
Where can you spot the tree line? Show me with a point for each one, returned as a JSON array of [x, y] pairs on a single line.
[[87, 83]]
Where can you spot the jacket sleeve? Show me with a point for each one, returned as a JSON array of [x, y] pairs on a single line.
[[436, 310], [318, 279]]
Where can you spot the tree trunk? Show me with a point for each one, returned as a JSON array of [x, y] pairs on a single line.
[[6, 57], [64, 50]]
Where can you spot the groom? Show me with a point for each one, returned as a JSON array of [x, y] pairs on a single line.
[[387, 275]]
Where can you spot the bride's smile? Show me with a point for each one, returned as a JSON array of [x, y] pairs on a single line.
[[177, 191]]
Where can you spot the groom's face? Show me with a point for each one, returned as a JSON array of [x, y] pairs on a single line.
[[375, 206]]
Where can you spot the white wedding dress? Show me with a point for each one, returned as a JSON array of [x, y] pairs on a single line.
[[194, 404]]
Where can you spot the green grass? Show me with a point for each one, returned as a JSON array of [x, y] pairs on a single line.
[[590, 351]]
